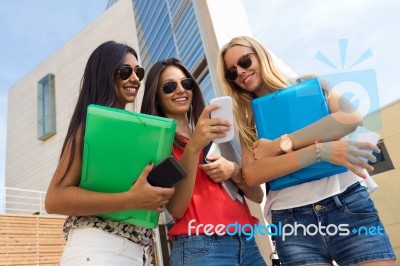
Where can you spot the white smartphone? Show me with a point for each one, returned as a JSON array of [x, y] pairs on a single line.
[[224, 112], [363, 134]]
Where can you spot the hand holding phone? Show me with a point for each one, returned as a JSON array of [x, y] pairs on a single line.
[[167, 173], [363, 134], [224, 112]]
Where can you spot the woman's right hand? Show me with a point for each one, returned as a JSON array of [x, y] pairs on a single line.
[[145, 196], [208, 128], [348, 154]]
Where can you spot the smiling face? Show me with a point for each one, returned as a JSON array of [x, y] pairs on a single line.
[[127, 89], [250, 78], [176, 104]]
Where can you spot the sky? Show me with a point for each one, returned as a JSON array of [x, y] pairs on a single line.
[[31, 31], [351, 38], [301, 30]]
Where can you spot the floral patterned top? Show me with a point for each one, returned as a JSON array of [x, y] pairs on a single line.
[[137, 234]]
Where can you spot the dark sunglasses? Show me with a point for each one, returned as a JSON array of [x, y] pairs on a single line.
[[170, 86], [125, 72], [244, 62]]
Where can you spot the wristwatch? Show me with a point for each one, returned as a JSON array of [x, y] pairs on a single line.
[[286, 144]]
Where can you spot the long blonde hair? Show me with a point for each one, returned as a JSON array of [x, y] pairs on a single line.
[[273, 80]]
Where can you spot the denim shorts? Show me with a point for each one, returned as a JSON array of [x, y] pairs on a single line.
[[345, 228], [203, 250]]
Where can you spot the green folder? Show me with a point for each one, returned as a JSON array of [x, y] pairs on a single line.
[[118, 144]]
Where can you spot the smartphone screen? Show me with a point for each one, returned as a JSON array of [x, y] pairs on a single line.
[[224, 112]]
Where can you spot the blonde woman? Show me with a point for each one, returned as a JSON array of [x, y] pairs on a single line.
[[247, 72]]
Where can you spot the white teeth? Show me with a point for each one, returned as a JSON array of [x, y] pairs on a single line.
[[180, 99], [131, 89]]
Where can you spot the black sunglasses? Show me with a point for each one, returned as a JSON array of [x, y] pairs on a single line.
[[125, 72], [244, 62], [170, 86]]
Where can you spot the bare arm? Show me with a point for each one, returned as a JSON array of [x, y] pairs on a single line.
[[66, 197], [343, 119], [184, 190], [266, 168], [264, 164], [267, 162], [190, 159]]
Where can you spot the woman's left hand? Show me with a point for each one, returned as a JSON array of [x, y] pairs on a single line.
[[220, 169], [265, 148]]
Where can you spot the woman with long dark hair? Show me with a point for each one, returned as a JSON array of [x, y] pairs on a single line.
[[112, 78], [202, 209]]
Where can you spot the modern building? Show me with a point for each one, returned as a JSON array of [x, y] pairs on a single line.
[[41, 104]]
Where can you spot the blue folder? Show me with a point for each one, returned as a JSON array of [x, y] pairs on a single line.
[[288, 110], [118, 144]]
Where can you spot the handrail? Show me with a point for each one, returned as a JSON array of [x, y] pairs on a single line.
[[22, 201]]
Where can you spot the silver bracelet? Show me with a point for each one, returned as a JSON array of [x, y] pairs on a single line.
[[317, 151]]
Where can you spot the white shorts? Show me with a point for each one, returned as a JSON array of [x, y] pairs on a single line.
[[92, 246]]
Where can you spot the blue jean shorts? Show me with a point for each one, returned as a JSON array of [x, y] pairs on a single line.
[[215, 250], [344, 228]]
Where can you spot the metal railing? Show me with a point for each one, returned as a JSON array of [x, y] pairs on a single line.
[[21, 201]]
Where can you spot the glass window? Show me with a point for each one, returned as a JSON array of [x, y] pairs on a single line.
[[46, 107]]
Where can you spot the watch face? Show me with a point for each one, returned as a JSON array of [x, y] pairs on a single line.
[[286, 144]]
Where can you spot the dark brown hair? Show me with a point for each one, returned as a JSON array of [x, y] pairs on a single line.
[[97, 87], [149, 103]]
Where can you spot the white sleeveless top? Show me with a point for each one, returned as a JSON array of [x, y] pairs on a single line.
[[312, 192]]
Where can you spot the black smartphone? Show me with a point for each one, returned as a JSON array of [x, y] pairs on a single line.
[[166, 173]]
